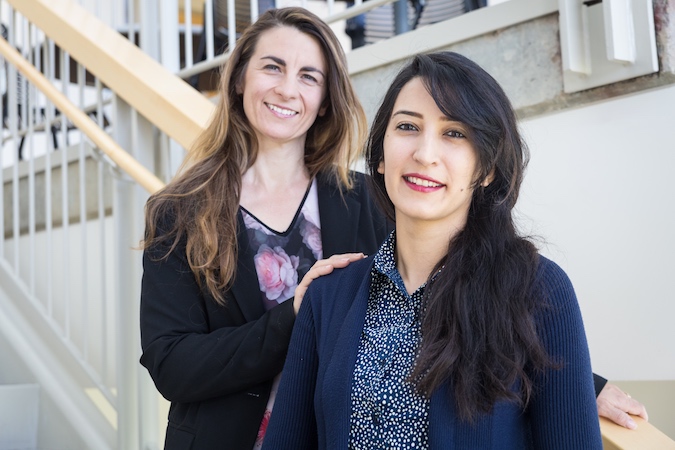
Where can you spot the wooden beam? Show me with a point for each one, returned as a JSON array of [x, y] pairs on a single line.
[[646, 436], [81, 120]]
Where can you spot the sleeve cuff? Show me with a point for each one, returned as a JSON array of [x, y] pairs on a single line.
[[599, 383]]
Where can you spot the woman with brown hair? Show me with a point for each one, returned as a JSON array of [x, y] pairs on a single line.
[[265, 194]]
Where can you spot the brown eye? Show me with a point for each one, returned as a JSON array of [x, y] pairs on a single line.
[[406, 127]]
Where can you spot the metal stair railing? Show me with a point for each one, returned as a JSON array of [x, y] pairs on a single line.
[[63, 211], [223, 18]]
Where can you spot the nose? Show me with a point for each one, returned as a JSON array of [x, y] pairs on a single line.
[[287, 87], [426, 151]]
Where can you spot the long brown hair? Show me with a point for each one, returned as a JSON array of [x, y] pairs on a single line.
[[201, 204], [478, 328]]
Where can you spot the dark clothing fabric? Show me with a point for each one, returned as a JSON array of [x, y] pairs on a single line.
[[312, 407], [386, 410], [216, 363], [599, 383]]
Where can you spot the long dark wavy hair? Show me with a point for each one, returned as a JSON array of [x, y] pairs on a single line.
[[478, 329], [203, 200]]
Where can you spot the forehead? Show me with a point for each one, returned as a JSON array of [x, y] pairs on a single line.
[[414, 96], [291, 45]]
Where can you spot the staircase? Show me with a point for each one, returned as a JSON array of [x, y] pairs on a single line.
[[103, 124]]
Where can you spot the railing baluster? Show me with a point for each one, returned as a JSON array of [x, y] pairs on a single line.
[[65, 81], [100, 188], [208, 30], [23, 89], [255, 11], [188, 38], [13, 86], [49, 116], [3, 71], [231, 26], [2, 165], [31, 106], [84, 279], [131, 20]]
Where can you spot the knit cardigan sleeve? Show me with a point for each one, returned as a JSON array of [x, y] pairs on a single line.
[[293, 424], [566, 395]]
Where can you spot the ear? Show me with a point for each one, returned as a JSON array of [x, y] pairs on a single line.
[[380, 167], [324, 107], [491, 176], [239, 87]]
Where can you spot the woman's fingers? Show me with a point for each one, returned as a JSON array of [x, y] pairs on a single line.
[[320, 268]]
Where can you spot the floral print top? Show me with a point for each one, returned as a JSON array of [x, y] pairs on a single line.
[[281, 260]]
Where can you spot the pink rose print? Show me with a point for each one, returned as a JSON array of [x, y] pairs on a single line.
[[311, 236], [277, 272]]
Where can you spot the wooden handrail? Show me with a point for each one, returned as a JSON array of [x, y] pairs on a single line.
[[81, 120], [161, 97], [646, 437]]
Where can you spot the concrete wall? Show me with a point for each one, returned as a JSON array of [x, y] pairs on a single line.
[[523, 55]]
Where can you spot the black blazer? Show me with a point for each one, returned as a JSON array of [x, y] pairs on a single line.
[[216, 364]]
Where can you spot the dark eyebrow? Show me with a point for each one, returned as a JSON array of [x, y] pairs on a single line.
[[281, 62], [313, 69], [407, 113], [417, 115]]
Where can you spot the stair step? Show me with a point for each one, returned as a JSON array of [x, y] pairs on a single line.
[[19, 416]]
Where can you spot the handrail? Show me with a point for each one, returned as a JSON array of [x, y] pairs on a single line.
[[157, 94], [646, 436], [43, 124], [123, 159]]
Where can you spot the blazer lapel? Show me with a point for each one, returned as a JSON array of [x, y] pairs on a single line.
[[246, 289], [339, 217]]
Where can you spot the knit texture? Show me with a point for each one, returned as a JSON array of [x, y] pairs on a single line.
[[313, 403]]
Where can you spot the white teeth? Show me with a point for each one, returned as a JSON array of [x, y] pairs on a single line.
[[285, 112], [421, 182]]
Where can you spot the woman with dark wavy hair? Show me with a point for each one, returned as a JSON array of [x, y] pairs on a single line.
[[456, 334], [231, 243]]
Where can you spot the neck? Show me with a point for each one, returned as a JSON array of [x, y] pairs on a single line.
[[418, 250], [277, 169]]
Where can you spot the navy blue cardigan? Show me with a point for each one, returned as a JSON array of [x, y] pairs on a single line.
[[312, 408]]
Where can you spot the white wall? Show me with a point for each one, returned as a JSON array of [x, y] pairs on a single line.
[[600, 191]]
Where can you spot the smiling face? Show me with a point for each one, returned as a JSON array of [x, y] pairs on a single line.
[[284, 86], [429, 165]]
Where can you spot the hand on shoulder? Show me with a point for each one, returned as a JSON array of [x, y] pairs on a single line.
[[320, 268]]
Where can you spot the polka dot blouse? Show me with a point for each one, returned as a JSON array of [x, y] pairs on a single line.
[[387, 413]]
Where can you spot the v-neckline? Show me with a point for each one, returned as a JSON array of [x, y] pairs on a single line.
[[295, 217]]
